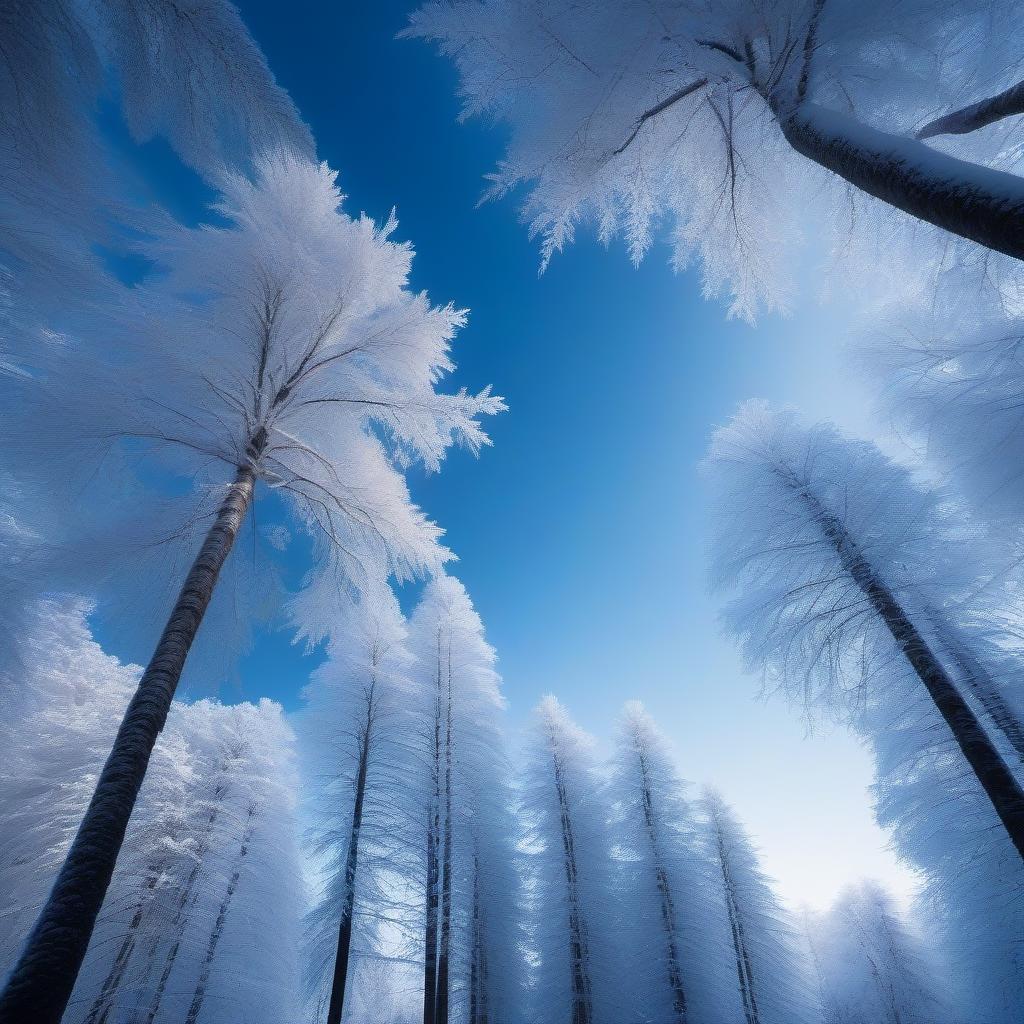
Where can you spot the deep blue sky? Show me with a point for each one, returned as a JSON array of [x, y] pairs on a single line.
[[581, 533]]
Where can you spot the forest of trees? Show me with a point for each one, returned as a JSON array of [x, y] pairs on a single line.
[[394, 851]]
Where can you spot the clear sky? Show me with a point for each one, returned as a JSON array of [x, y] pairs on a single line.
[[581, 534]]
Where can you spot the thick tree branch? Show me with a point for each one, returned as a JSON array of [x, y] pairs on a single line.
[[977, 115]]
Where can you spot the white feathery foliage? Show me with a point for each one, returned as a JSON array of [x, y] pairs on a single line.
[[362, 693], [774, 984], [675, 919], [797, 611], [286, 339], [650, 117], [872, 966], [574, 908]]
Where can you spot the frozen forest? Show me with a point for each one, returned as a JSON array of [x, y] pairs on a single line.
[[262, 760]]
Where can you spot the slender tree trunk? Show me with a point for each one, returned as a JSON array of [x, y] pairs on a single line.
[[99, 1011], [744, 970], [218, 927], [966, 199], [185, 899], [668, 913], [337, 1003], [474, 955], [579, 953], [40, 985], [433, 840], [444, 951], [996, 779]]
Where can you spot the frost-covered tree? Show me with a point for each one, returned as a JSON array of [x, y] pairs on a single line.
[[185, 70], [356, 732], [835, 556], [574, 918], [220, 921], [770, 972], [470, 887], [679, 947], [283, 348], [726, 118], [872, 966]]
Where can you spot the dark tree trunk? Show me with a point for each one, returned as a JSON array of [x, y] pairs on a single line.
[[969, 200], [185, 899], [478, 986], [337, 1003], [40, 985], [579, 953], [668, 913], [977, 115], [444, 950], [744, 968], [433, 840], [980, 680], [217, 932], [996, 779]]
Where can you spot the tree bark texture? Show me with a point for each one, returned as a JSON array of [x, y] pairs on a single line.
[[970, 200], [40, 985], [977, 115], [996, 779], [341, 960]]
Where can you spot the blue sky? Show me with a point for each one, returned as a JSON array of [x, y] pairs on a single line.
[[581, 534]]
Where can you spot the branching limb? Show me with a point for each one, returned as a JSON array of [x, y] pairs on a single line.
[[658, 108]]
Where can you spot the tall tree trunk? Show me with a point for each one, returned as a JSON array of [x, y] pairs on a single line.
[[185, 899], [337, 1003], [218, 927], [433, 841], [579, 953], [478, 985], [744, 969], [966, 199], [40, 985], [101, 1006], [996, 779], [444, 951], [668, 913]]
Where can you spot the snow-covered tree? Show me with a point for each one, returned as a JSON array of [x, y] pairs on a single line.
[[574, 910], [835, 556], [471, 957], [872, 966], [206, 900], [361, 774], [767, 958], [679, 948], [725, 119], [279, 349]]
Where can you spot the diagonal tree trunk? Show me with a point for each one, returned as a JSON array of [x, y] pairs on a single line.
[[980, 680], [40, 985], [217, 932], [744, 970], [444, 949], [998, 782], [337, 1003], [668, 913], [969, 200], [579, 953], [977, 115]]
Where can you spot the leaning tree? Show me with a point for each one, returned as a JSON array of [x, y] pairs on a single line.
[[280, 351], [843, 573], [714, 116]]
